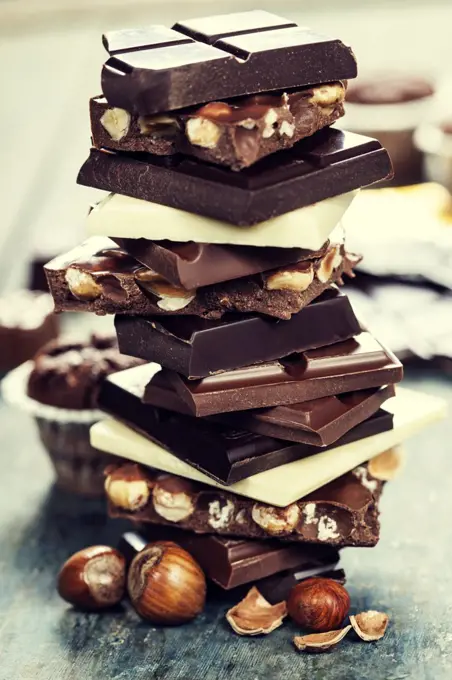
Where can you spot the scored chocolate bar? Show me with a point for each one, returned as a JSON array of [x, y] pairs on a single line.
[[100, 277], [329, 163], [356, 364], [224, 452], [199, 347], [157, 69], [342, 513], [192, 265], [235, 134], [230, 562]]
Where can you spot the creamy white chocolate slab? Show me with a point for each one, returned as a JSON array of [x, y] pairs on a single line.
[[283, 485], [309, 227]]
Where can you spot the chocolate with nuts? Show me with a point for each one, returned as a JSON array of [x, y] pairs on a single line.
[[342, 513], [235, 134], [100, 277]]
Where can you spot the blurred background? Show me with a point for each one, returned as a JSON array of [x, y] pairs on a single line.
[[51, 53]]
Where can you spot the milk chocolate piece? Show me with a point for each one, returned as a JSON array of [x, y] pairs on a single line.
[[320, 422], [100, 277], [235, 134], [198, 347], [156, 69], [193, 265], [230, 562], [329, 163], [342, 513], [356, 364], [226, 453]]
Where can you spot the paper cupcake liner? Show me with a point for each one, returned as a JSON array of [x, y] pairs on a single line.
[[64, 434]]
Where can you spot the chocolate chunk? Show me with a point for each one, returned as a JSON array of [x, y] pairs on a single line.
[[355, 364], [329, 163], [341, 513], [100, 277], [238, 453], [235, 134], [192, 265], [230, 562], [27, 323], [198, 347], [157, 69]]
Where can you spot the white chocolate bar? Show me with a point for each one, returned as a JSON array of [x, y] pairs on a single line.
[[125, 217], [283, 485]]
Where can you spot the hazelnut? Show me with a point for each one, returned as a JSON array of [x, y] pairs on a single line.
[[220, 514], [328, 95], [318, 604], [387, 465], [331, 262], [215, 110], [93, 578], [270, 122], [82, 285], [248, 124], [320, 642], [166, 585], [130, 491], [116, 122], [158, 126], [255, 616], [172, 298], [290, 279], [370, 626], [276, 521], [172, 499], [287, 129], [202, 132]]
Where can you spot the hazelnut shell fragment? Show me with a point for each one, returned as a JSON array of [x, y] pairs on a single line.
[[387, 465], [370, 626], [317, 643], [255, 616]]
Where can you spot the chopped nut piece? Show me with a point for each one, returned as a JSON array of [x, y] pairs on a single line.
[[329, 264], [82, 285], [202, 132], [255, 616], [387, 465], [172, 298], [158, 126], [248, 124], [116, 122], [327, 95], [317, 643], [173, 504], [129, 494], [287, 129], [370, 626], [270, 124], [276, 521], [220, 514], [290, 279]]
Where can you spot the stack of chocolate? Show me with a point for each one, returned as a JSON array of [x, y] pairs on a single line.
[[218, 253]]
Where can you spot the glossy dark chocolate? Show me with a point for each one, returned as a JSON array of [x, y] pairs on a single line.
[[225, 453], [236, 134], [356, 364], [341, 513], [192, 265], [229, 562], [329, 163], [320, 422], [158, 69], [198, 347]]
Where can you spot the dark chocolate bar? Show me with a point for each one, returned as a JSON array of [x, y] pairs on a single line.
[[341, 513], [329, 163], [225, 453], [193, 265], [320, 422], [235, 134], [356, 364], [158, 69], [230, 562], [100, 277], [199, 347]]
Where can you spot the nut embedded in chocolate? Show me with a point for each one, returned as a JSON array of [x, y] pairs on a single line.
[[128, 491], [276, 521], [116, 122], [172, 498]]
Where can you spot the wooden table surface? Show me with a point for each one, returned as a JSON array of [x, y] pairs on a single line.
[[49, 72]]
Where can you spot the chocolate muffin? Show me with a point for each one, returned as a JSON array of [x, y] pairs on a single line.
[[60, 390]]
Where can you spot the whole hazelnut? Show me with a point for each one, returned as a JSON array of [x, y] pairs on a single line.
[[318, 604], [166, 585], [93, 578]]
